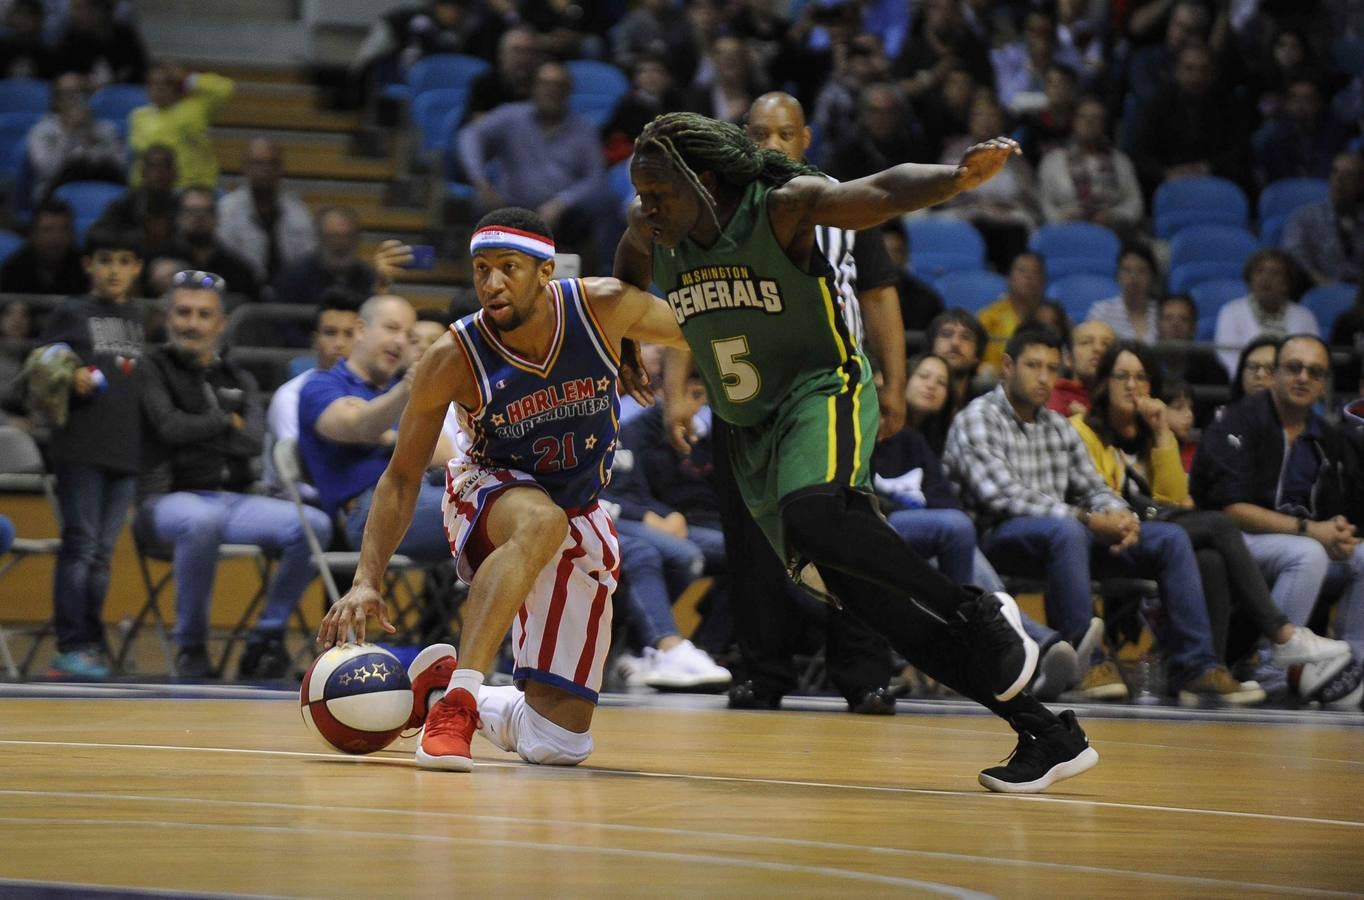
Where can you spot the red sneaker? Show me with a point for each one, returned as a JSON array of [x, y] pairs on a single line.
[[449, 729], [430, 675]]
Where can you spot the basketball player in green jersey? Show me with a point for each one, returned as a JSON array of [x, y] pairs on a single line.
[[725, 231]]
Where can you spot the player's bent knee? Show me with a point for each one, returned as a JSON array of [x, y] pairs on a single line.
[[544, 743]]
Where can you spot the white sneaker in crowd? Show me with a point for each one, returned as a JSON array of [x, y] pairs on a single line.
[[684, 667], [631, 669], [1306, 646]]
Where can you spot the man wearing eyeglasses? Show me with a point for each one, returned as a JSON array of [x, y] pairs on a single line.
[[204, 424], [1292, 481]]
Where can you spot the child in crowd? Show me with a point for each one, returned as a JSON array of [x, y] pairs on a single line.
[[1179, 414], [95, 453]]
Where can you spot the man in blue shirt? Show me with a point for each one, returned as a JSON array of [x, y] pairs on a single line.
[[348, 418]]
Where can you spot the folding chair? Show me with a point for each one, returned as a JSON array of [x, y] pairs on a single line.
[[148, 553], [407, 616], [22, 465]]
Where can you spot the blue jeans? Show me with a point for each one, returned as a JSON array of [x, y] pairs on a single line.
[[1065, 552], [195, 523], [945, 535], [1299, 571], [425, 539], [93, 503]]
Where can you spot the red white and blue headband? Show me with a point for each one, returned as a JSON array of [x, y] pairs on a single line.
[[498, 237]]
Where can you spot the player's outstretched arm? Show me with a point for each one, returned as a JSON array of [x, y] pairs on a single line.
[[442, 377], [868, 202]]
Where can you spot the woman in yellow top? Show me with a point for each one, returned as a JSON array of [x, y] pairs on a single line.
[[178, 116], [1128, 436]]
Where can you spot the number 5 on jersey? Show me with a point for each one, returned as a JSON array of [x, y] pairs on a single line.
[[739, 376]]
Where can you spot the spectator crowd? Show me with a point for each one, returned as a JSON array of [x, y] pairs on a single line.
[[1107, 388]]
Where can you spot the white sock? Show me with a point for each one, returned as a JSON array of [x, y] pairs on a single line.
[[498, 711], [469, 679]]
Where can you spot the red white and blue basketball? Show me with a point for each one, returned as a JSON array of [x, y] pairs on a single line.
[[356, 698]]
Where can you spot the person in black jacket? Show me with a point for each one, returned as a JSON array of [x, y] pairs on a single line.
[[1292, 481], [95, 454], [204, 425], [49, 262]]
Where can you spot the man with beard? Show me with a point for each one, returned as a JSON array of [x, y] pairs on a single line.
[[196, 225]]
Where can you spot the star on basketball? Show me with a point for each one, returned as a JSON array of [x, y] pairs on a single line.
[[603, 383], [591, 441], [499, 419]]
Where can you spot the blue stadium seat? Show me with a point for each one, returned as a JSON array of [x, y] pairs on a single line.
[[597, 88], [1281, 197], [1271, 230], [1184, 278], [435, 72], [942, 244], [1215, 293], [14, 128], [1328, 301], [1077, 292], [25, 95], [115, 102], [1072, 247], [973, 290], [1217, 243], [1207, 328], [430, 112], [1347, 54], [9, 242], [1198, 200], [88, 200]]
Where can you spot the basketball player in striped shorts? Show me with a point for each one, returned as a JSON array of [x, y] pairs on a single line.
[[533, 374]]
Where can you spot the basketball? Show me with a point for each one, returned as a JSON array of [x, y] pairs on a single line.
[[1334, 684], [356, 698]]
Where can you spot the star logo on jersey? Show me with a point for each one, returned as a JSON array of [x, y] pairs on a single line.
[[499, 419], [516, 457], [603, 383], [501, 383], [590, 442]]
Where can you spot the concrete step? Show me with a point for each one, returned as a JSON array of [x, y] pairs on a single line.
[[311, 159]]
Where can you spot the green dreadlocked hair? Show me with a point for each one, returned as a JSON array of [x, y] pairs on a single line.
[[694, 143]]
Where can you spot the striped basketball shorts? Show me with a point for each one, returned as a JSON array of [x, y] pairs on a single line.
[[562, 632]]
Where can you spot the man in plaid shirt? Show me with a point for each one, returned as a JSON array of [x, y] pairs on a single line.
[[1044, 511]]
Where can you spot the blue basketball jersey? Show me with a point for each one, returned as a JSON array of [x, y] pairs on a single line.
[[556, 419]]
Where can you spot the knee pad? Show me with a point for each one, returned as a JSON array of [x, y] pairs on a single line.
[[540, 741]]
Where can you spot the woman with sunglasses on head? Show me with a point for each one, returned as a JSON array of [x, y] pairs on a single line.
[[1128, 435]]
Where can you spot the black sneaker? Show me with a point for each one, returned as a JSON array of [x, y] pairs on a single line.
[[745, 695], [192, 662], [264, 657], [1047, 752], [877, 702], [1000, 648]]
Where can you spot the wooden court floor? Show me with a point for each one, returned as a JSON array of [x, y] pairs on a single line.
[[231, 796]]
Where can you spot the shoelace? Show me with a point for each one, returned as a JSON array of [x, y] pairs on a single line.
[[1024, 751], [440, 722]]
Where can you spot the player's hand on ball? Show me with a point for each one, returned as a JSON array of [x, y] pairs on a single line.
[[350, 614], [981, 162]]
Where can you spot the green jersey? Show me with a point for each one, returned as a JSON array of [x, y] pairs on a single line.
[[757, 324]]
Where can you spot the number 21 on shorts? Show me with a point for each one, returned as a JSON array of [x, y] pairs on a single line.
[[739, 377]]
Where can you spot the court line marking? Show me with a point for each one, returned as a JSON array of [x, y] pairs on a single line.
[[874, 850], [949, 890], [587, 771]]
